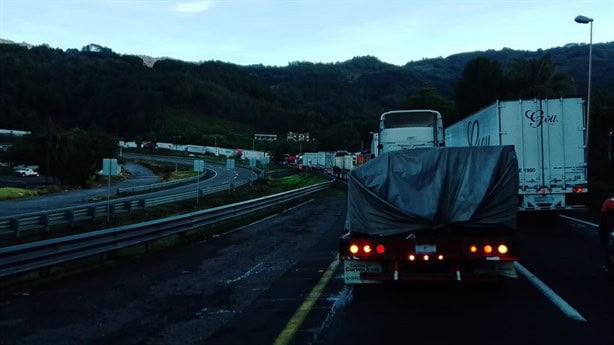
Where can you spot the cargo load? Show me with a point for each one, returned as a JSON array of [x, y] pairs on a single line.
[[411, 190]]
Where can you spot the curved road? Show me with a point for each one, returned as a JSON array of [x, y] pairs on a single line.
[[141, 176]]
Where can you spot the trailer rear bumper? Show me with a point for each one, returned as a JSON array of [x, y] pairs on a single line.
[[373, 272], [406, 276], [548, 201]]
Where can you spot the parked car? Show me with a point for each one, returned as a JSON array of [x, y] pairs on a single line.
[[26, 172]]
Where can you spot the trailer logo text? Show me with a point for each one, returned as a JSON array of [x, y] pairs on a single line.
[[473, 135], [538, 118]]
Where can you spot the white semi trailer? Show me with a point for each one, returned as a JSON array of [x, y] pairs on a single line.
[[549, 140]]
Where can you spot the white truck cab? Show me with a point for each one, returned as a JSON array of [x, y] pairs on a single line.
[[26, 172]]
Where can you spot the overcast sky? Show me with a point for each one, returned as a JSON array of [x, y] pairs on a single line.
[[275, 32]]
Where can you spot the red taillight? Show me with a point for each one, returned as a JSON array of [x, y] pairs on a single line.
[[425, 258], [578, 189], [380, 249], [411, 257], [354, 249], [487, 249], [473, 248], [367, 249]]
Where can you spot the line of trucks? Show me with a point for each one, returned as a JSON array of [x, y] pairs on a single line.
[[444, 207]]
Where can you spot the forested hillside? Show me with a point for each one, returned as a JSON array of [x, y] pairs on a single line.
[[95, 88]]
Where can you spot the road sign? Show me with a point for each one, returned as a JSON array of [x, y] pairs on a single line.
[[230, 164], [252, 162], [199, 165], [109, 167]]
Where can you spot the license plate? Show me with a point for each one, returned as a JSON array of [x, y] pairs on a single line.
[[426, 248]]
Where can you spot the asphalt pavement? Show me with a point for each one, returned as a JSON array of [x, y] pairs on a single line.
[[249, 286], [139, 175]]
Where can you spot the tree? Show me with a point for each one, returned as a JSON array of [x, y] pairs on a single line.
[[481, 84], [428, 98], [538, 78], [72, 156]]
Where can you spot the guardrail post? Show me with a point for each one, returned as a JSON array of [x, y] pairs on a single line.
[[92, 211], [111, 210], [128, 206], [70, 215], [45, 221], [15, 223]]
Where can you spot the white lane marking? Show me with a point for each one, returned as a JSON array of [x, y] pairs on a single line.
[[254, 270], [579, 221], [550, 294]]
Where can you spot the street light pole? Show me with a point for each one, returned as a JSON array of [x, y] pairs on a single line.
[[586, 20]]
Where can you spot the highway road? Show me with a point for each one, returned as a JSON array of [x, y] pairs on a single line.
[[139, 176], [278, 280]]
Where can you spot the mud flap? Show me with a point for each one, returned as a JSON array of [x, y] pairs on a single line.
[[502, 268], [507, 269], [353, 268]]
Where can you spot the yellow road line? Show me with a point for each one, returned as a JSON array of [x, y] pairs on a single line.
[[299, 316]]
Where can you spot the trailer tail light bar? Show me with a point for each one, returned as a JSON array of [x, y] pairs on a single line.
[[425, 257], [487, 249], [578, 189], [365, 248]]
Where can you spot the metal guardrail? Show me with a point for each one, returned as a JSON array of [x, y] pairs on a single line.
[[45, 220], [43, 254], [162, 185]]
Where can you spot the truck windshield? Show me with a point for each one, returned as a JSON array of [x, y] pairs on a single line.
[[413, 119]]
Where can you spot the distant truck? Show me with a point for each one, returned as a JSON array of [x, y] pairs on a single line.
[[319, 161], [408, 129], [25, 172], [423, 212], [549, 138]]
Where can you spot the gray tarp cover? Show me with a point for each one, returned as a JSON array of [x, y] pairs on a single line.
[[410, 190]]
